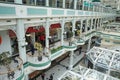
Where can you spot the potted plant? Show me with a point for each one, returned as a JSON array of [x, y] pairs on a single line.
[[38, 46], [6, 60]]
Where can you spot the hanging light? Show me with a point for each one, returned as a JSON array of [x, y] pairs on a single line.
[[28, 35]]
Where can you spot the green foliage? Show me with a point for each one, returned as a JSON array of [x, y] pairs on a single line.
[[56, 49], [4, 59]]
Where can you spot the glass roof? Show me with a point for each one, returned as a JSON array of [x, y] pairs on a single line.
[[83, 73], [105, 58]]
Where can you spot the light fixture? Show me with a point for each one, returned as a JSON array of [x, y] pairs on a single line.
[[24, 44], [75, 29], [49, 37], [28, 35], [64, 33]]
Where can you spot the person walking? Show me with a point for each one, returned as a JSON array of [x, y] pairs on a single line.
[[80, 50], [51, 77], [43, 76], [32, 49]]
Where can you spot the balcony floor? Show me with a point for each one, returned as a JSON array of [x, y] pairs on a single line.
[[58, 70], [13, 66]]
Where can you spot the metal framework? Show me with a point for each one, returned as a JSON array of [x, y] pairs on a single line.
[[82, 73], [105, 58]]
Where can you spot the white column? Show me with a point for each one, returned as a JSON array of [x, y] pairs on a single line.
[[47, 3], [91, 24], [63, 3], [86, 26], [47, 36], [83, 6], [35, 2], [62, 31], [95, 24], [75, 4], [81, 27], [20, 30], [98, 23], [26, 77], [101, 23], [18, 1], [71, 60], [89, 44], [73, 27]]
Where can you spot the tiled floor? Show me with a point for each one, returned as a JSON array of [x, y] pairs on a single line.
[[14, 67], [58, 70]]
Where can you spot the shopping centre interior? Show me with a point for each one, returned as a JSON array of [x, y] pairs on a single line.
[[59, 39]]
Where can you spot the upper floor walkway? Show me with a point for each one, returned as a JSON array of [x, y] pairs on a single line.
[[53, 8]]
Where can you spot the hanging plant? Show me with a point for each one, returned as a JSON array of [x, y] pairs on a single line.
[[5, 60]]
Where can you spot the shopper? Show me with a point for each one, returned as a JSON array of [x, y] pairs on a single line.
[[80, 50], [51, 77], [32, 49], [43, 76]]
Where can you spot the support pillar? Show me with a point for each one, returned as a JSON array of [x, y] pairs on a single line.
[[73, 27], [63, 4], [26, 77], [95, 24], [89, 43], [81, 28], [86, 26], [75, 4], [71, 60], [47, 37], [18, 1], [86, 61], [20, 30], [91, 24], [62, 31], [47, 3]]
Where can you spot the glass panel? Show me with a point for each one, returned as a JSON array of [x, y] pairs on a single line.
[[29, 2], [94, 75], [79, 4], [40, 2], [69, 4], [59, 3], [56, 3], [53, 3]]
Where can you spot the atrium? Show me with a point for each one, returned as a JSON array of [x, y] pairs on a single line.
[[59, 39]]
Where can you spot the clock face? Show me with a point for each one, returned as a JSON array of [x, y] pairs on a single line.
[[0, 39]]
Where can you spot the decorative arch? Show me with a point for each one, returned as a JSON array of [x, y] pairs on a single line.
[[53, 28], [12, 33]]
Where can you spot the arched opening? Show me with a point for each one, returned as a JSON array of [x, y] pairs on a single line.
[[55, 34], [9, 55], [84, 26], [68, 33], [93, 23], [89, 25], [78, 29], [35, 37], [13, 41]]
